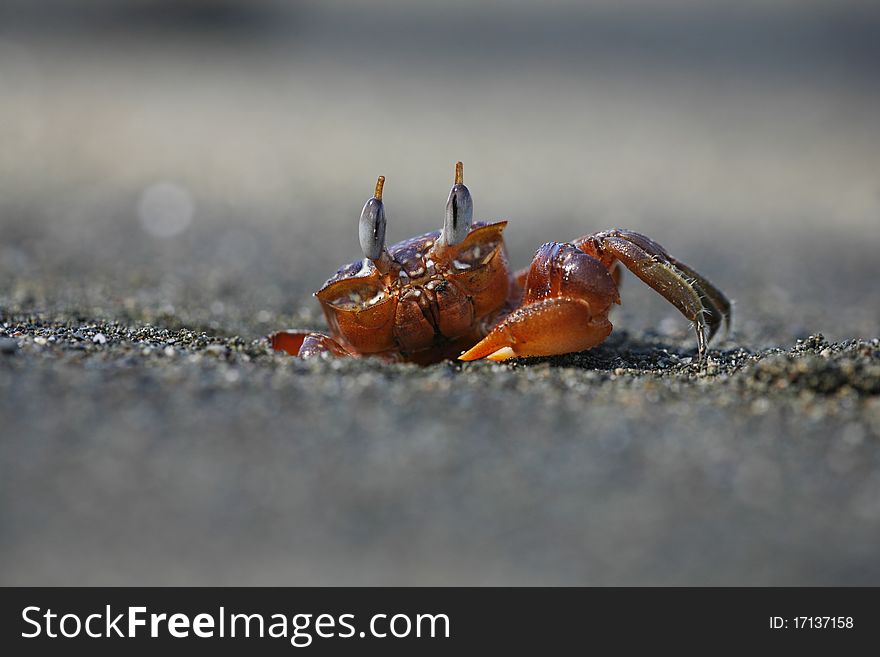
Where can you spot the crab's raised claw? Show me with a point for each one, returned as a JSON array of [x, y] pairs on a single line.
[[564, 309], [306, 344]]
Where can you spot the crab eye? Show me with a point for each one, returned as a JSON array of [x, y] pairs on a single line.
[[459, 211], [371, 228]]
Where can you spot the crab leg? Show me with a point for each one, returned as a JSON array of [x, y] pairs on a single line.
[[717, 306], [694, 296], [566, 298], [306, 344]]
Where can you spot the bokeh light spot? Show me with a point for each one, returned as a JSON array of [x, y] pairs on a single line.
[[165, 209]]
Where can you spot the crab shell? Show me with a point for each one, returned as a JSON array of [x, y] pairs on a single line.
[[432, 295]]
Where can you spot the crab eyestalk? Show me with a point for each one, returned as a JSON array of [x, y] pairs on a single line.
[[459, 211], [371, 230]]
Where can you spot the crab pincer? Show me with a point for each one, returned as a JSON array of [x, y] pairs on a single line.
[[564, 308]]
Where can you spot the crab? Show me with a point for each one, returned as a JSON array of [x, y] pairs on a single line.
[[451, 294]]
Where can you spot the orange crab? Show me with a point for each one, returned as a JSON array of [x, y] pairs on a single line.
[[450, 293]]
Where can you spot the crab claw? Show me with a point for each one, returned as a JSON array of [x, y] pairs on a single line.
[[565, 308], [544, 328]]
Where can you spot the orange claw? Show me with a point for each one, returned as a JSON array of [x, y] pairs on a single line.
[[544, 328], [567, 295]]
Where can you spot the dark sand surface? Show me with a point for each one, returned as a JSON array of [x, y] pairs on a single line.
[[136, 454]]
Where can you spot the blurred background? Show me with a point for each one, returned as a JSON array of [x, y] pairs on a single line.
[[193, 155], [202, 164]]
